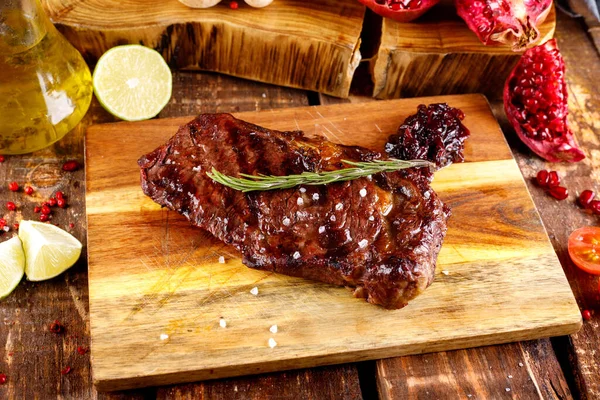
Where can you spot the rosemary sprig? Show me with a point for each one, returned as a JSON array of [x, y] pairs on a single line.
[[250, 183]]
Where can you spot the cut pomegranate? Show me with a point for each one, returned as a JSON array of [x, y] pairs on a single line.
[[559, 192], [535, 101], [512, 22], [400, 10], [585, 198]]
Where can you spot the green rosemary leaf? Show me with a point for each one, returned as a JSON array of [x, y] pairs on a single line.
[[250, 183]]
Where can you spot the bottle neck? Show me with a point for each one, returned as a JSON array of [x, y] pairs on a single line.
[[23, 24]]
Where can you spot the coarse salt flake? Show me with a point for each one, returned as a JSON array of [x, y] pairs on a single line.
[[286, 221], [520, 364], [273, 329], [363, 243], [272, 343], [363, 192], [321, 229], [6, 228], [510, 377], [254, 291], [296, 255], [371, 218], [332, 218], [339, 206], [315, 196], [164, 336], [221, 260], [222, 323], [197, 169], [302, 190], [300, 201], [445, 272], [507, 389]]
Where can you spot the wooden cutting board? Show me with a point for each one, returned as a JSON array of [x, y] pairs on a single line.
[[157, 290]]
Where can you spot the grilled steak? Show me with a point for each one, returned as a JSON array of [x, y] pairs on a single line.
[[380, 235]]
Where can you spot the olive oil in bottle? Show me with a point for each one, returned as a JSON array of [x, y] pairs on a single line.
[[45, 85]]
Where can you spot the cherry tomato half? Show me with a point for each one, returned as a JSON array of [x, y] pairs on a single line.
[[584, 249]]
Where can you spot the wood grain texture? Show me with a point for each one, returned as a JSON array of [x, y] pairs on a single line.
[[438, 54], [580, 351], [503, 284], [304, 44]]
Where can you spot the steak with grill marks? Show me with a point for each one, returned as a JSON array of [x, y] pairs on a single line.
[[379, 235]]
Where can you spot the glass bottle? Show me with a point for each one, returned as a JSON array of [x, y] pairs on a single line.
[[45, 85]]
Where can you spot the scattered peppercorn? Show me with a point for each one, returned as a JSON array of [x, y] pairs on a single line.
[[29, 190], [13, 186], [65, 370], [586, 314], [70, 166], [10, 206], [56, 327]]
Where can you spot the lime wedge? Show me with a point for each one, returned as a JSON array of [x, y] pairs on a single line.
[[132, 82], [49, 250], [12, 265]]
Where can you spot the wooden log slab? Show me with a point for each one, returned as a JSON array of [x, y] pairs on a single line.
[[304, 44], [438, 54]]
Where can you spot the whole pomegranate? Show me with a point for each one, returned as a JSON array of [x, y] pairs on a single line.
[[400, 10], [513, 22], [535, 101]]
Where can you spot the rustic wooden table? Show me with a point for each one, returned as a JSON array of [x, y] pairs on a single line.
[[32, 357]]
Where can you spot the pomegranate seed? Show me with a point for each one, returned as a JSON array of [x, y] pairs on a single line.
[[559, 192], [16, 226], [82, 350], [46, 210], [1, 158], [65, 370], [56, 327], [586, 314], [13, 186], [3, 378], [51, 202], [59, 195], [10, 206], [71, 225], [585, 198], [37, 209], [553, 179], [595, 207], [70, 166], [29, 190], [44, 217], [542, 178], [61, 203], [2, 223], [234, 5]]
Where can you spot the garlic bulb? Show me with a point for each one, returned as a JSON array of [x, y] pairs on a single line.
[[200, 3], [258, 3]]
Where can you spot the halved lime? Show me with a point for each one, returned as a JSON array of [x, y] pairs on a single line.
[[12, 265], [132, 82], [49, 250]]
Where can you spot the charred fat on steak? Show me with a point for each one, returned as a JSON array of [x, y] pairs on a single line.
[[379, 235]]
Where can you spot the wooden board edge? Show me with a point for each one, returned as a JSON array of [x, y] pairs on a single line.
[[110, 384]]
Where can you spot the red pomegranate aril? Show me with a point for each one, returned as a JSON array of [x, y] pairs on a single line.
[[542, 178], [553, 179], [37, 209], [595, 207], [2, 223], [586, 314], [44, 217], [586, 197], [59, 195], [46, 210], [51, 202], [56, 327], [1, 158], [10, 206], [61, 203], [3, 379], [65, 370], [234, 5], [29, 190], [13, 186], [559, 192], [70, 166], [16, 226]]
